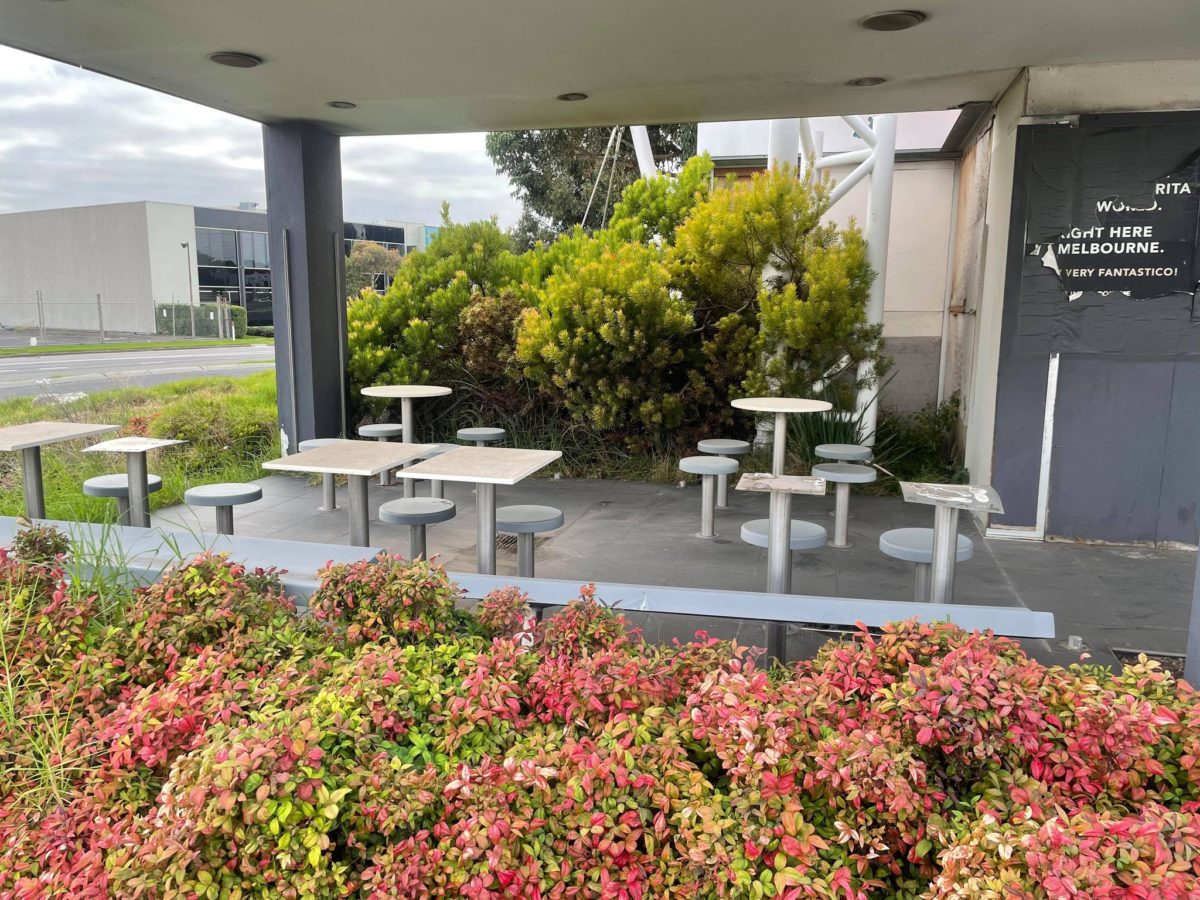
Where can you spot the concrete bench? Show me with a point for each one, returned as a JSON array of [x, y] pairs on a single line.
[[1010, 621], [709, 468], [416, 513], [224, 497], [143, 553], [915, 545], [525, 521], [723, 447], [117, 488]]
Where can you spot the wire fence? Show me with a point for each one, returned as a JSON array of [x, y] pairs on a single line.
[[42, 319]]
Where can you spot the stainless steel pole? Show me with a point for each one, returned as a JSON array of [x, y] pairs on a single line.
[[779, 544], [329, 492], [945, 549], [485, 497], [722, 488], [525, 555], [224, 519], [407, 423], [779, 453], [41, 319], [708, 517], [35, 499], [360, 518], [841, 515], [139, 490]]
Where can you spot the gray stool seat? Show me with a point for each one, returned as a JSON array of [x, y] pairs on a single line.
[[528, 519], [916, 545], [381, 430], [525, 522], [117, 486], [708, 465], [805, 535], [843, 451], [845, 473], [231, 494], [328, 481], [224, 497], [723, 446], [481, 435], [416, 513]]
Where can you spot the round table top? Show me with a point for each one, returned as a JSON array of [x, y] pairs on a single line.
[[782, 404], [406, 391]]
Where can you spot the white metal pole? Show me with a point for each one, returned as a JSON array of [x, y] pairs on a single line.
[[783, 143], [641, 149], [879, 219]]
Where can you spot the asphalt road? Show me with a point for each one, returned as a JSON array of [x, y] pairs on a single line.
[[67, 373]]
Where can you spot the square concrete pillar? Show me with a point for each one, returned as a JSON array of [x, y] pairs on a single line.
[[304, 216]]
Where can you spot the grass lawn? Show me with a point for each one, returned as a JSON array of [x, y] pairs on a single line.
[[229, 423], [48, 349]]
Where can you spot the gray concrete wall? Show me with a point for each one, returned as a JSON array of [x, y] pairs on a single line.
[[72, 255], [912, 382], [169, 225]]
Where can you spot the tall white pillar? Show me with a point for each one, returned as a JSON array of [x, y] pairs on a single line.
[[879, 220], [783, 143], [642, 150]]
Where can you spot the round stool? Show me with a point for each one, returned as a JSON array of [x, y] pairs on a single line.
[[382, 431], [842, 475], [416, 513], [482, 436], [224, 497], [804, 536], [915, 545], [328, 480], [709, 468], [117, 487], [723, 447], [436, 485], [850, 452], [525, 522]]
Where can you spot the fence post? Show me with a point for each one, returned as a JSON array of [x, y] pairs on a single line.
[[100, 316], [41, 319]]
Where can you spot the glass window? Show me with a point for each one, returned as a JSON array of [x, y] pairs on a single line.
[[216, 247], [213, 295], [220, 278], [254, 249], [258, 306], [258, 278]]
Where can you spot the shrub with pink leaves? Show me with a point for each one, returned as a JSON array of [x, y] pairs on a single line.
[[207, 742]]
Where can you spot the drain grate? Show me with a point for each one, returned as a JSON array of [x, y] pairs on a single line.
[[507, 543]]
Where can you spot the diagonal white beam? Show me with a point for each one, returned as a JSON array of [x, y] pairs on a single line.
[[859, 124]]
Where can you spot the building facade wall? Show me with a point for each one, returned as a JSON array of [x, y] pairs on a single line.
[[71, 256], [169, 226]]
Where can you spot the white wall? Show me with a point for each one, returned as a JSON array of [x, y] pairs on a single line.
[[168, 226], [71, 255]]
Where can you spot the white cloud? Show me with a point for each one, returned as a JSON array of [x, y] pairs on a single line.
[[71, 138]]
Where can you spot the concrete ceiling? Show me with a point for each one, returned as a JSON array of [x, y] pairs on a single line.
[[482, 65]]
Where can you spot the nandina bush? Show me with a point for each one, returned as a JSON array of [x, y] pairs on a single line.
[[205, 741]]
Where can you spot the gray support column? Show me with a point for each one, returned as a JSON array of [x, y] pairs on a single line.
[[360, 514], [139, 490], [1191, 663], [525, 563], [304, 216], [945, 554], [224, 519], [485, 552], [35, 499]]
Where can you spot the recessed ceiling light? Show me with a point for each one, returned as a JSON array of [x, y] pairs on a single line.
[[869, 81], [341, 104], [893, 20], [235, 60], [572, 96]]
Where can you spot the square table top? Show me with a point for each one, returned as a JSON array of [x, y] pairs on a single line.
[[37, 434], [973, 497], [131, 445], [483, 465], [406, 391], [350, 458], [786, 484]]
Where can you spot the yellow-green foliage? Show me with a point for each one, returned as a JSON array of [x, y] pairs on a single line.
[[606, 337], [653, 208]]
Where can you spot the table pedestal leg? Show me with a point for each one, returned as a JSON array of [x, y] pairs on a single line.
[[708, 518], [779, 544], [841, 515], [485, 499], [328, 492], [360, 514], [139, 490], [779, 453], [406, 422], [35, 500], [722, 488], [945, 553]]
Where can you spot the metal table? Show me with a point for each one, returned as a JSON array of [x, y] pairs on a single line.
[[29, 439], [406, 394], [485, 467], [947, 500], [779, 554], [135, 450], [358, 461]]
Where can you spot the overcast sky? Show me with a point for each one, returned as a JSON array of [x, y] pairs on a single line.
[[73, 138]]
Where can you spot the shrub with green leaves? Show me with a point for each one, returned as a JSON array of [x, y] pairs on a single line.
[[606, 339]]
